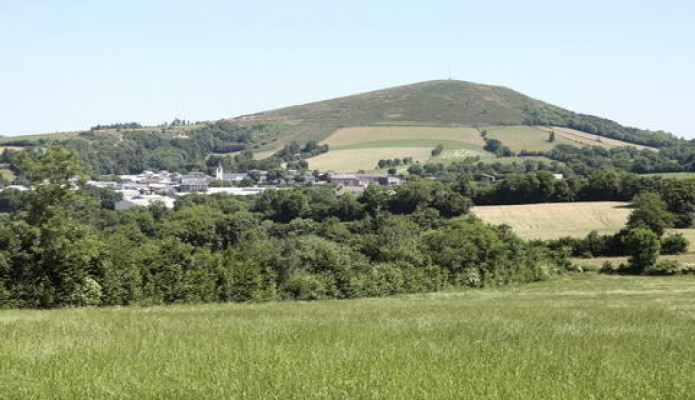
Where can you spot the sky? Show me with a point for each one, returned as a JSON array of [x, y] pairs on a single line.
[[69, 65]]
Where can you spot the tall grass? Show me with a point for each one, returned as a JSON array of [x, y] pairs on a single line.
[[584, 337]]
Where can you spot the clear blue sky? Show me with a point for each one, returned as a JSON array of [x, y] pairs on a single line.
[[73, 64]]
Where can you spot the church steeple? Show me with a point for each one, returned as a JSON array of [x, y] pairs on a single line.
[[219, 172]]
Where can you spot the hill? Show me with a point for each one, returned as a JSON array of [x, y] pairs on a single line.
[[399, 122], [409, 121]]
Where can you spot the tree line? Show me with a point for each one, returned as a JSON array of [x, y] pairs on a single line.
[[61, 248]]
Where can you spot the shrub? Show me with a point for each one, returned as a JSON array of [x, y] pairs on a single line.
[[664, 267], [674, 244]]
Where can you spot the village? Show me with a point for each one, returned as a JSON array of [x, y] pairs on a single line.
[[164, 187]]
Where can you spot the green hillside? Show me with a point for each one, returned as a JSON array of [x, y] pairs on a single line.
[[431, 103]]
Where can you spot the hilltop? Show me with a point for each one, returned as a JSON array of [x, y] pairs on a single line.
[[441, 103], [432, 103]]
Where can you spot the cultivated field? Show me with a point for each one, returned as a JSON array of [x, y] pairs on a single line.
[[554, 220], [352, 149], [366, 159], [578, 337]]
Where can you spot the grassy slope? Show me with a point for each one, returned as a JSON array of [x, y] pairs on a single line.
[[86, 134], [434, 103], [535, 138], [576, 337]]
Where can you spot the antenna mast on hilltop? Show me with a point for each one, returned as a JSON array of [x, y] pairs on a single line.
[[449, 71]]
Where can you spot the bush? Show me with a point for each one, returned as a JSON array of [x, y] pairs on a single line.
[[608, 268], [674, 244], [664, 267], [306, 286]]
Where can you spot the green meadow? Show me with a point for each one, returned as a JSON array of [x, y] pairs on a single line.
[[578, 336]]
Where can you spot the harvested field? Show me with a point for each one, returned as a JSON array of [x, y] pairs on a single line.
[[554, 220], [365, 159]]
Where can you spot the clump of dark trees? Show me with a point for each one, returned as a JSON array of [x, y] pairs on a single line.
[[58, 247], [642, 240]]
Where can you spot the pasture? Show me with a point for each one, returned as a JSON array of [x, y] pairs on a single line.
[[554, 220], [578, 336]]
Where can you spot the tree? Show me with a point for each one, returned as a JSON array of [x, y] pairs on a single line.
[[650, 212], [437, 150], [52, 254], [551, 137], [54, 174], [643, 246]]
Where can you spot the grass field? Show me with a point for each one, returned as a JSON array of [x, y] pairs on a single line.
[[519, 138], [7, 174], [674, 175], [577, 337], [553, 220], [535, 138]]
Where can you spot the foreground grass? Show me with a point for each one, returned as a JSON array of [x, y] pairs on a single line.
[[579, 337]]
